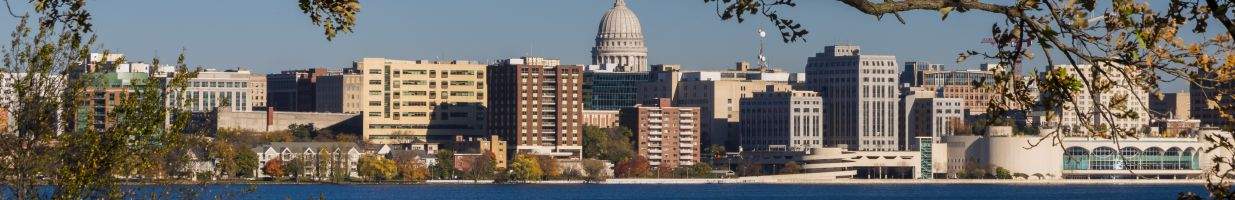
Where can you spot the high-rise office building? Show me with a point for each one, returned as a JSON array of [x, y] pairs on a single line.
[[537, 108], [668, 136], [619, 40], [792, 119], [407, 101], [860, 93]]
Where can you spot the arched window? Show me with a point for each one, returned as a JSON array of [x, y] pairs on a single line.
[[1190, 159], [1152, 158], [1129, 157], [1104, 159], [1171, 159], [1076, 158]]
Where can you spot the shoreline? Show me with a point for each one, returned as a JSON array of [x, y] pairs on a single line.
[[742, 181]]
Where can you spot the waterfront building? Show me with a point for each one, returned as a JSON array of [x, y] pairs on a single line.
[[792, 119], [860, 95], [1176, 157], [1072, 123], [537, 108], [601, 118], [668, 136], [342, 156], [1175, 105], [293, 90], [421, 100], [340, 93], [221, 89], [469, 149], [619, 40]]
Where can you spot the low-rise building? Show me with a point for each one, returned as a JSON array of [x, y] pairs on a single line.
[[601, 118], [342, 157]]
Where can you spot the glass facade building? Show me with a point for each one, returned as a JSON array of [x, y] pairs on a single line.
[[611, 90]]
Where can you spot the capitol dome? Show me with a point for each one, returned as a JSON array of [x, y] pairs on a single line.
[[619, 40]]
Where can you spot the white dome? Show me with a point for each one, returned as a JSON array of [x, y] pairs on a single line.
[[619, 40], [620, 22]]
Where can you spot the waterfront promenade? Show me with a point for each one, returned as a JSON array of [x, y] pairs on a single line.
[[758, 180]]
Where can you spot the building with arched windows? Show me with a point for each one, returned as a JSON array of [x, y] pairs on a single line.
[[1078, 157]]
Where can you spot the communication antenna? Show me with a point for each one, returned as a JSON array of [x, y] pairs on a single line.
[[763, 60]]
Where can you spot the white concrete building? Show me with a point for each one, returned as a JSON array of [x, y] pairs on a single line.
[[927, 115], [860, 93], [342, 156], [790, 118], [225, 89]]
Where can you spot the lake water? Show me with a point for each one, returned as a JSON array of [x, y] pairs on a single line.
[[710, 191]]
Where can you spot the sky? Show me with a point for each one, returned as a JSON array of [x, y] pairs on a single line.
[[270, 36]]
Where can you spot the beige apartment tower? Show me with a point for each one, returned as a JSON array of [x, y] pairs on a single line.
[[407, 101]]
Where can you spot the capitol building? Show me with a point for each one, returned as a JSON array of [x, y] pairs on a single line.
[[619, 40]]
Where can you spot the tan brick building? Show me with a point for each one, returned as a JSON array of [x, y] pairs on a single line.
[[536, 107], [668, 136], [421, 100]]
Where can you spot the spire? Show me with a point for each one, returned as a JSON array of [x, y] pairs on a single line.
[[619, 3]]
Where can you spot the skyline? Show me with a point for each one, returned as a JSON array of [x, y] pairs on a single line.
[[276, 36]]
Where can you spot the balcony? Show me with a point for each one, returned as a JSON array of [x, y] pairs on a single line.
[[655, 139], [655, 151], [686, 139], [655, 115], [655, 157], [686, 121], [685, 152], [655, 127], [655, 133], [687, 145], [686, 157]]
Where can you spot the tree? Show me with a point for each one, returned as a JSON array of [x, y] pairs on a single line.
[[549, 167], [224, 154], [594, 171], [322, 164], [246, 164], [295, 168], [611, 144], [525, 168], [303, 132], [414, 171], [1001, 173], [377, 168], [445, 167], [636, 167], [791, 167], [1142, 44], [274, 168], [482, 167]]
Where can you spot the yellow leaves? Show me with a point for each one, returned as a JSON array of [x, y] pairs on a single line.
[[1230, 61]]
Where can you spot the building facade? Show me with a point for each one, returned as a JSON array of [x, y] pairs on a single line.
[[1175, 105], [257, 92], [222, 89], [293, 90], [962, 84], [340, 93], [668, 136], [1088, 111], [619, 40], [793, 119], [601, 118], [537, 108], [407, 101], [930, 116], [860, 94], [720, 104], [611, 90]]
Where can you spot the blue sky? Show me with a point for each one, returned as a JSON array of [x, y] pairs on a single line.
[[269, 36]]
